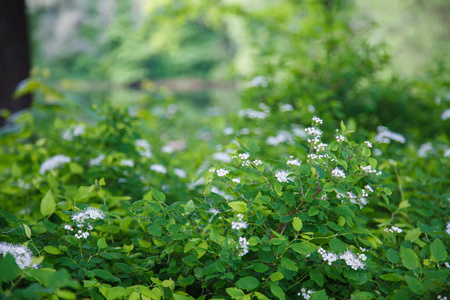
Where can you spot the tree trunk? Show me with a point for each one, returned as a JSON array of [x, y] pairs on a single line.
[[14, 54]]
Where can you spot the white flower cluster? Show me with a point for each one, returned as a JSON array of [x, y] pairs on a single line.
[[257, 162], [368, 144], [320, 156], [355, 262], [320, 147], [158, 168], [368, 169], [222, 172], [286, 107], [447, 265], [228, 131], [317, 120], [439, 297], [143, 147], [252, 114], [393, 229], [244, 156], [338, 173], [81, 218], [385, 136], [314, 132], [327, 256], [212, 170], [446, 114], [282, 175], [127, 163], [21, 254], [97, 161], [293, 162], [239, 224], [282, 136], [306, 294], [424, 149], [53, 163], [258, 81], [180, 173], [89, 213], [340, 138], [236, 180], [243, 244], [75, 130], [361, 202]]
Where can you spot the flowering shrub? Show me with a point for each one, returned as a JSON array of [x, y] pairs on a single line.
[[316, 220]]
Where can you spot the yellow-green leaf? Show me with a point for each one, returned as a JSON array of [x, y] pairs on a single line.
[[48, 204], [297, 223]]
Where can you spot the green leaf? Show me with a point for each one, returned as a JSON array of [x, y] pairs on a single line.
[[337, 246], [304, 248], [392, 256], [313, 211], [247, 283], [159, 196], [114, 293], [409, 258], [52, 250], [277, 291], [235, 293], [343, 128], [155, 230], [103, 274], [438, 251], [189, 207], [317, 276], [9, 268], [297, 223], [358, 295], [238, 206], [413, 236], [392, 277], [260, 268], [319, 295], [366, 152], [101, 243], [288, 264], [415, 285], [328, 187], [27, 231], [48, 204], [276, 276]]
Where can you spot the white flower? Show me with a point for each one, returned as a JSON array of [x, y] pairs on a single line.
[[244, 155], [228, 131], [54, 162], [21, 254], [340, 138], [286, 107], [89, 213], [393, 229], [238, 225], [243, 243], [158, 168], [68, 227], [253, 114], [222, 172], [385, 136], [97, 161], [313, 131], [143, 147], [327, 256], [236, 180], [212, 170], [293, 162], [369, 188], [445, 115], [368, 144], [425, 149], [257, 162], [311, 108], [258, 81], [282, 175], [75, 130], [352, 260], [180, 173], [317, 120], [127, 163], [338, 173], [282, 136]]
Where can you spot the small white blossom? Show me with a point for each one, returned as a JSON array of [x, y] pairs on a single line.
[[317, 120], [228, 131], [286, 107], [68, 227], [180, 173], [21, 254], [393, 229], [368, 144], [222, 172], [385, 136], [445, 115], [89, 213], [340, 138], [258, 81], [238, 225], [243, 243], [53, 163], [257, 162], [236, 180], [75, 130], [293, 162], [222, 156], [306, 294], [97, 161], [244, 156], [352, 260], [447, 228], [212, 170], [127, 163], [158, 168], [338, 173], [143, 148], [282, 175]]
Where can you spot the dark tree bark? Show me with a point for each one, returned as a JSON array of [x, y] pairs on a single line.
[[14, 54]]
